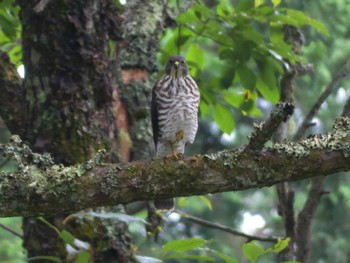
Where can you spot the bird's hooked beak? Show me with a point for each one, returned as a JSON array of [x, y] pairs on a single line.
[[175, 70]]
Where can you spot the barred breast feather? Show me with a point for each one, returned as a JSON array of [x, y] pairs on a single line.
[[175, 108]]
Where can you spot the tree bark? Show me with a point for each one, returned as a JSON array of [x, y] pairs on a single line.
[[96, 183]]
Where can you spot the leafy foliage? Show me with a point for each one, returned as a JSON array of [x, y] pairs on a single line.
[[253, 251], [235, 53], [10, 31]]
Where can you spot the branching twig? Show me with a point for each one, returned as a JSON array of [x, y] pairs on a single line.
[[305, 216], [11, 231], [303, 227], [226, 228], [342, 73], [263, 132], [346, 109]]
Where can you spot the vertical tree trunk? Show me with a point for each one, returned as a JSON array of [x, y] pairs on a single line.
[[72, 103]]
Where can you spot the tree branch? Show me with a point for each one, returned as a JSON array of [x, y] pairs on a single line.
[[304, 222], [263, 132], [226, 228], [13, 232], [342, 73], [303, 226], [37, 184]]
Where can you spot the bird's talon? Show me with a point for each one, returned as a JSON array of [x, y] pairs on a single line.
[[173, 155]]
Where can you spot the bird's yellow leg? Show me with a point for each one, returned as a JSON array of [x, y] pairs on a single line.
[[173, 154]]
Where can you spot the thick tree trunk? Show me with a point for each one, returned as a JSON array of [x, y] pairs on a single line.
[[70, 105], [69, 82], [69, 111]]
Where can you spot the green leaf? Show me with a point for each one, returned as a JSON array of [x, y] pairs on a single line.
[[266, 84], [223, 9], [268, 73], [172, 41], [83, 257], [182, 201], [15, 54], [304, 19], [67, 237], [276, 2], [206, 201], [223, 117], [201, 10], [50, 258], [270, 93], [183, 245], [244, 5], [279, 246], [242, 51], [252, 251], [143, 259], [7, 26], [258, 3], [190, 256], [246, 76], [226, 258], [233, 97], [204, 108], [195, 58], [249, 33], [188, 17]]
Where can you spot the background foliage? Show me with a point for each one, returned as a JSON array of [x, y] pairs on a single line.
[[237, 54]]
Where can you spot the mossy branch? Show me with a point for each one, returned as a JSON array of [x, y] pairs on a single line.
[[39, 187]]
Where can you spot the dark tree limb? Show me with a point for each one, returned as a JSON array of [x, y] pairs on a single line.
[[285, 193], [38, 184], [342, 73], [10, 230], [346, 109], [227, 229], [305, 216], [304, 220], [263, 132]]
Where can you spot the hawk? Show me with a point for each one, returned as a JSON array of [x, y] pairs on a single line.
[[174, 113]]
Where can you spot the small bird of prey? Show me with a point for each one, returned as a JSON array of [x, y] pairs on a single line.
[[174, 113]]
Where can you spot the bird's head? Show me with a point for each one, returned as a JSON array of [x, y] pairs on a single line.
[[176, 67]]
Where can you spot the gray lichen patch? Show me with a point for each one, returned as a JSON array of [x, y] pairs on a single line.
[[96, 160], [22, 154], [334, 141]]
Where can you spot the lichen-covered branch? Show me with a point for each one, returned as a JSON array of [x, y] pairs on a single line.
[[263, 132], [39, 187]]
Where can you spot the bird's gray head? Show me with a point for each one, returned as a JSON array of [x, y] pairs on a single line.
[[176, 67]]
